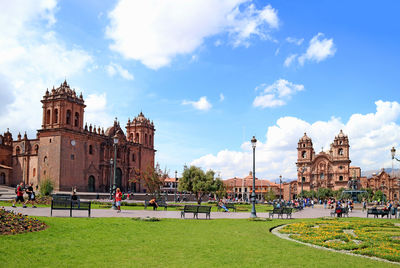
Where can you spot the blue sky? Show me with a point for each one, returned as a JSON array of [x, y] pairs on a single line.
[[211, 74]]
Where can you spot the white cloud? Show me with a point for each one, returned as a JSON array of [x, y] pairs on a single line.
[[32, 59], [221, 97], [370, 135], [289, 60], [113, 69], [318, 50], [296, 41], [202, 104], [96, 110], [276, 94], [156, 31]]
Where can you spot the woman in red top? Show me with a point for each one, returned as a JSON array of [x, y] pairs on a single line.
[[118, 198]]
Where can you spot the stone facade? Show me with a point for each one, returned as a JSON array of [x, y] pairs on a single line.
[[327, 169], [389, 185], [73, 154]]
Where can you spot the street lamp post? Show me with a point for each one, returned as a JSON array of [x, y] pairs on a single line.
[[280, 189], [393, 152], [111, 188], [115, 140], [253, 194]]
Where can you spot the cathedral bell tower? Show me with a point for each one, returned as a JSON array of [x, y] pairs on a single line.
[[140, 130], [340, 147], [305, 151], [62, 108]]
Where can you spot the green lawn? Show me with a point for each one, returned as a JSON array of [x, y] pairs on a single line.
[[240, 208], [123, 242]]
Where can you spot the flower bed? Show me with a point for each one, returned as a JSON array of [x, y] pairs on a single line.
[[16, 223], [359, 236]]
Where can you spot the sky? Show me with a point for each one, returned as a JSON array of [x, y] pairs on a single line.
[[213, 73]]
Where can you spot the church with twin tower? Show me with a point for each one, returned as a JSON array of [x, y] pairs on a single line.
[[71, 153]]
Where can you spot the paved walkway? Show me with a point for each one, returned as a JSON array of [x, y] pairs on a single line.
[[316, 212]]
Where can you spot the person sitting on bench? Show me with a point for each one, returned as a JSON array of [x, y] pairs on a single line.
[[222, 205]]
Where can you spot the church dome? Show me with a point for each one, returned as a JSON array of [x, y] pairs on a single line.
[[305, 138]]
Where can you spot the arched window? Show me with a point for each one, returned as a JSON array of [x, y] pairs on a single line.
[[340, 178], [304, 154], [137, 138], [68, 117], [340, 151], [303, 179], [55, 119], [48, 114], [150, 140], [34, 172], [77, 119], [131, 137], [145, 139], [36, 149], [90, 149], [133, 158], [321, 176], [45, 159], [17, 150]]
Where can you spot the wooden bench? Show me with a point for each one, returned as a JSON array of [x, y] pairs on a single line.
[[65, 202], [160, 203], [277, 211], [196, 210], [229, 206], [376, 212], [288, 211]]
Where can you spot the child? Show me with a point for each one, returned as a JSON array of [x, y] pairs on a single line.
[[118, 198]]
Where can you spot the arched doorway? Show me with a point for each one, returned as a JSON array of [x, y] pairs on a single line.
[[2, 178], [91, 184], [118, 178]]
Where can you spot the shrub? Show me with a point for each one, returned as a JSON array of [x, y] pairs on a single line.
[[46, 187]]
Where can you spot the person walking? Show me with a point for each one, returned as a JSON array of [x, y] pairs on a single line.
[[31, 195], [118, 198], [20, 195]]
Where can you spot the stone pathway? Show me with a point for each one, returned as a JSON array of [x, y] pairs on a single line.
[[104, 213]]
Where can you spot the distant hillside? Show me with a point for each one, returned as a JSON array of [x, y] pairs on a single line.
[[368, 173]]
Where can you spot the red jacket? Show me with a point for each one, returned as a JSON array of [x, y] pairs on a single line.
[[19, 191], [118, 196]]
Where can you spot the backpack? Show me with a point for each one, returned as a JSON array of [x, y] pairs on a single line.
[[16, 189]]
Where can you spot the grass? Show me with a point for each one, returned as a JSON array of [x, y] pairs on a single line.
[[139, 206], [106, 242]]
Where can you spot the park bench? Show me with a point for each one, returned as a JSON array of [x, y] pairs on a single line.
[[288, 211], [344, 212], [277, 211], [229, 206], [160, 203], [377, 212], [196, 210], [65, 202]]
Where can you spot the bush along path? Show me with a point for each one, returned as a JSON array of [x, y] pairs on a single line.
[[16, 223]]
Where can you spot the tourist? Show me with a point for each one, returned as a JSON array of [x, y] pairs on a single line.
[[75, 199], [153, 203], [118, 198], [20, 195], [31, 195], [364, 205], [222, 205], [325, 203]]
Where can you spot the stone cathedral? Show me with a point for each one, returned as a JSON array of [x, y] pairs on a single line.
[[71, 153]]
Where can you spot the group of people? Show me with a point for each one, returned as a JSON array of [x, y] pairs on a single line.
[[20, 191]]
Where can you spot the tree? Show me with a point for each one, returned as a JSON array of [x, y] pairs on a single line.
[[194, 180], [153, 178], [46, 186], [270, 195], [379, 196], [220, 189]]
